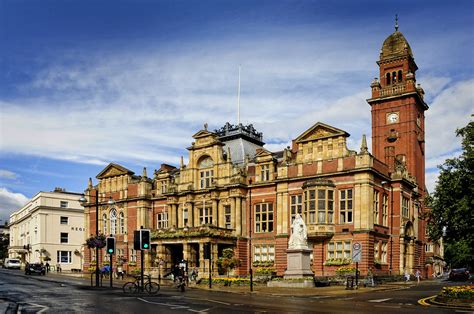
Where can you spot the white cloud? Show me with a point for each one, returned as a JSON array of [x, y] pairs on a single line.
[[10, 202], [7, 174]]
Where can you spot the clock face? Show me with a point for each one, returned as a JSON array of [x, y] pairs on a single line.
[[392, 117]]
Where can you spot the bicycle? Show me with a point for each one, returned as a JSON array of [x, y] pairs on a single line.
[[151, 287], [180, 283]]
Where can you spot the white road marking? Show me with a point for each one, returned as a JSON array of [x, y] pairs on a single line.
[[225, 303], [389, 306], [201, 311], [380, 300], [173, 306], [322, 297]]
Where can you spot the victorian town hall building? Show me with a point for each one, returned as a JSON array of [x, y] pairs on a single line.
[[234, 193]]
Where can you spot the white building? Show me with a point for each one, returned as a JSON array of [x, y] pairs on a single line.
[[49, 227]]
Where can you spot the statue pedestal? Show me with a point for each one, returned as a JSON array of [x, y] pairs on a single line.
[[299, 264]]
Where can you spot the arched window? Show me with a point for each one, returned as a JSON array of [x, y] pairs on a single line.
[[400, 75], [388, 78], [122, 223], [113, 221], [206, 173], [394, 77], [104, 224]]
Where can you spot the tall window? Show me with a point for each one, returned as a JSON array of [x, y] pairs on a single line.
[[64, 220], [385, 210], [133, 255], [320, 201], [162, 220], [345, 206], [228, 217], [265, 172], [376, 207], [64, 237], [405, 206], [64, 257], [185, 217], [206, 173], [339, 249], [205, 215], [264, 217], [264, 252], [113, 221], [296, 206], [122, 223], [63, 204], [376, 250], [163, 186], [104, 224], [383, 258]]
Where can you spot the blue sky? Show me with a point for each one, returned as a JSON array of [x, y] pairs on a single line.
[[84, 83]]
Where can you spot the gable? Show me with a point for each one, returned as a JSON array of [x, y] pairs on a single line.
[[320, 131], [113, 170]]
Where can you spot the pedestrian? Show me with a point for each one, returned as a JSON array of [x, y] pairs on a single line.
[[417, 275], [58, 268], [407, 276], [119, 272], [370, 277], [47, 267]]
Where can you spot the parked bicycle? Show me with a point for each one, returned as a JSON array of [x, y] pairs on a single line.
[[151, 287]]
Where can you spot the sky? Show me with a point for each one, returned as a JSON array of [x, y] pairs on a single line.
[[84, 82]]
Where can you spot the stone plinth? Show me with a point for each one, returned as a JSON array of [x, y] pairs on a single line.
[[299, 264]]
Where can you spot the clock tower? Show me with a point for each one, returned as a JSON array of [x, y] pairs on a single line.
[[398, 120]]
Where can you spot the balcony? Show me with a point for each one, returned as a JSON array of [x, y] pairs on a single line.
[[320, 231], [392, 90], [204, 231]]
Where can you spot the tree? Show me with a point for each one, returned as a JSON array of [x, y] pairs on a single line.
[[452, 203], [4, 242], [227, 261]]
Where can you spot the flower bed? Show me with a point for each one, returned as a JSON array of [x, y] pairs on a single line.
[[226, 281], [458, 292], [337, 261]]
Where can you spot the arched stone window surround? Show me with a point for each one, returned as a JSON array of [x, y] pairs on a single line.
[[121, 222], [206, 171], [318, 199], [113, 221], [104, 223]]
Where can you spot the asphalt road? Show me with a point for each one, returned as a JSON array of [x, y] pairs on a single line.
[[55, 293]]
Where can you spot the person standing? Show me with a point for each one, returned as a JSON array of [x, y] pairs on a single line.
[[417, 276], [47, 267], [407, 276]]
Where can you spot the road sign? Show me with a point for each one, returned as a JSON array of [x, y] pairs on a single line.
[[356, 252]]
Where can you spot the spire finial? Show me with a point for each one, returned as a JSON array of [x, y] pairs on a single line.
[[396, 22], [363, 145]]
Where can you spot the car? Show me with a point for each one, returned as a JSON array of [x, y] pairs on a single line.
[[35, 268], [461, 274], [12, 263]]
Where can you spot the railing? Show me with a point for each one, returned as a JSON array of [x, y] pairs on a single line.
[[392, 90], [318, 230]]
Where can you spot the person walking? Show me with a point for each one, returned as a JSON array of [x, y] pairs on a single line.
[[417, 276], [47, 267], [407, 276]]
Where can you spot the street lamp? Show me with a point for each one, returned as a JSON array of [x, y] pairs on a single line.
[[391, 224], [83, 202]]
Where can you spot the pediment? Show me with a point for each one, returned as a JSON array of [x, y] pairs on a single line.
[[202, 133], [320, 131], [261, 152], [113, 170]]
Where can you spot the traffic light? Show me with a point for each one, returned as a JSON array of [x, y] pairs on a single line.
[[136, 240], [110, 245], [144, 239]]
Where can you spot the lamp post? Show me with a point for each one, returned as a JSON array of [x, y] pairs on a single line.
[[83, 202], [391, 225], [250, 236]]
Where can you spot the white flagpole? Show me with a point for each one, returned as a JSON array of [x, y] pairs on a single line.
[[238, 101]]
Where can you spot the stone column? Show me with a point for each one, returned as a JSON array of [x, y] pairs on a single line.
[[232, 212], [201, 258], [214, 213], [185, 250], [402, 255], [191, 214], [180, 216], [221, 211], [238, 216], [171, 219]]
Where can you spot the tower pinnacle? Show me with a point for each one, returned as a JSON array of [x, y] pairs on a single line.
[[396, 22]]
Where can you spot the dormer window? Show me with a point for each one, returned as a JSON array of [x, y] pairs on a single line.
[[265, 172], [206, 173], [164, 186]]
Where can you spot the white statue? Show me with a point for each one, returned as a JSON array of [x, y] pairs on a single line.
[[299, 235]]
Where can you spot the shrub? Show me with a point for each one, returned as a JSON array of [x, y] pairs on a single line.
[[345, 270], [227, 281], [458, 292], [337, 261]]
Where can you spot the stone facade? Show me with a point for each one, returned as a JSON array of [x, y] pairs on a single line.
[[51, 225], [233, 193]]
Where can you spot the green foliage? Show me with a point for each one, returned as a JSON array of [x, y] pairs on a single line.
[[263, 263], [4, 241], [265, 271], [227, 261], [452, 203], [337, 261], [226, 281]]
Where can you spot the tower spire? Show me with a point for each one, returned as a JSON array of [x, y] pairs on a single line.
[[396, 22]]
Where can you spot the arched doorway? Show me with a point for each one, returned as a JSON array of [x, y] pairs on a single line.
[[407, 248]]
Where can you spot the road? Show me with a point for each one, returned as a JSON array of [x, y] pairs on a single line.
[[55, 293]]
